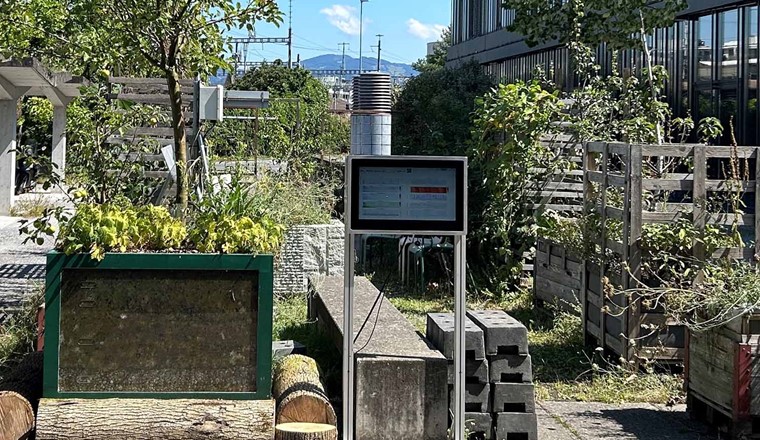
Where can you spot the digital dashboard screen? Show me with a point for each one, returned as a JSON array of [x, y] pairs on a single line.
[[404, 195]]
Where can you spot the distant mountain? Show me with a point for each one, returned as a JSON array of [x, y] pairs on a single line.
[[333, 62]]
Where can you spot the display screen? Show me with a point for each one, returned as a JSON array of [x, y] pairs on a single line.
[[407, 193], [393, 194]]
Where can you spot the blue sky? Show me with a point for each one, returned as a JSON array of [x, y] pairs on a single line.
[[320, 25]]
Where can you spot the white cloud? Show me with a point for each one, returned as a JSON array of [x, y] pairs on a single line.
[[343, 17], [425, 31]]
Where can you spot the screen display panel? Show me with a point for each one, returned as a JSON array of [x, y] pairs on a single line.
[[408, 194]]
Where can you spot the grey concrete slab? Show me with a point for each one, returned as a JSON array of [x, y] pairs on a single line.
[[510, 368], [598, 421], [479, 425], [550, 426], [514, 398], [440, 331], [284, 348], [503, 333], [477, 397], [522, 426], [474, 372], [401, 390]]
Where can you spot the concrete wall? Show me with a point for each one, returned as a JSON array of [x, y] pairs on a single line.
[[309, 250]]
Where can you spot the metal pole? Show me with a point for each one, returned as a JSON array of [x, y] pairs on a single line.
[[348, 323], [379, 38], [361, 31], [460, 308]]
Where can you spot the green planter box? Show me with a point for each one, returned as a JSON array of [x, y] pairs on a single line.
[[158, 326]]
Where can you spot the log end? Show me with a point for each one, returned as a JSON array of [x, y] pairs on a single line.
[[305, 431], [16, 416]]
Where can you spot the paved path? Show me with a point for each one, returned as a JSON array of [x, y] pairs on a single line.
[[597, 421]]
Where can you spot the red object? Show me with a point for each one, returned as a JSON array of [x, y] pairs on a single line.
[[742, 381], [430, 189], [40, 328]]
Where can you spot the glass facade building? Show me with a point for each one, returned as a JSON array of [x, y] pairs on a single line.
[[710, 53]]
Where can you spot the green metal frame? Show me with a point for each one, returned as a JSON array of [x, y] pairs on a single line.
[[263, 264]]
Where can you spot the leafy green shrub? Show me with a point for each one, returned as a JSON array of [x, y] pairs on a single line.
[[510, 162], [236, 235], [97, 229]]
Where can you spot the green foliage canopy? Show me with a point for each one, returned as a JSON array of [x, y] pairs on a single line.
[[432, 114]]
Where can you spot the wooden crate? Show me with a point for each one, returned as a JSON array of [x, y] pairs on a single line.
[[612, 320], [722, 382], [557, 275], [625, 171]]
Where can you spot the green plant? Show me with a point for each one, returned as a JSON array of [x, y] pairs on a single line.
[[97, 229], [709, 129], [18, 334], [231, 221], [510, 160]]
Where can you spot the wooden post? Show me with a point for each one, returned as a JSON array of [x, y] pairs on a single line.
[[699, 196], [625, 277], [756, 155], [589, 163], [603, 264], [634, 256]]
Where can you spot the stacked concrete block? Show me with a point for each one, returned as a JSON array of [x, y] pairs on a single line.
[[499, 392], [307, 251]]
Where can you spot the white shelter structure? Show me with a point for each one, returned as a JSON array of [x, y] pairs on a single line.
[[28, 77]]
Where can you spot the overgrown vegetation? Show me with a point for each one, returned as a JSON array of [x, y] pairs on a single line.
[[18, 334], [295, 127], [563, 368]]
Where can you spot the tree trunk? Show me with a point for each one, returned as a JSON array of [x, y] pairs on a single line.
[[305, 431], [138, 419], [26, 379], [180, 138], [299, 392], [16, 416], [648, 59]]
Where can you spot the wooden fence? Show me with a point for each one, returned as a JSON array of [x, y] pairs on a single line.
[[634, 174]]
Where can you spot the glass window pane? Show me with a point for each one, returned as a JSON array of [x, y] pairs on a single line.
[[684, 77], [704, 48], [750, 121], [729, 45]]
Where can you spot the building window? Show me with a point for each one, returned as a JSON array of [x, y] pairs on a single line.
[[728, 46], [704, 34]]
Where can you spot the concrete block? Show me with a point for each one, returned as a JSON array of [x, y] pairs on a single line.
[[514, 398], [285, 348], [477, 397], [478, 425], [503, 333], [516, 426], [511, 368], [440, 331], [474, 372], [401, 391]]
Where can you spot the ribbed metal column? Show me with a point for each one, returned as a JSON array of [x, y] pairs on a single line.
[[371, 118]]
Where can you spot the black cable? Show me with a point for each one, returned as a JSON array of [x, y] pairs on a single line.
[[378, 299]]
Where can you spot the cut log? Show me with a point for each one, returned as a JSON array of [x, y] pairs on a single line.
[[299, 392], [25, 379], [16, 416], [292, 370], [305, 431], [137, 419]]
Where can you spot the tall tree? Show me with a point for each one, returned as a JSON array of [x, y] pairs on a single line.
[[622, 24], [173, 38], [437, 59], [179, 38]]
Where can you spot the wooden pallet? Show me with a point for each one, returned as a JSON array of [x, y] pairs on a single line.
[[702, 409]]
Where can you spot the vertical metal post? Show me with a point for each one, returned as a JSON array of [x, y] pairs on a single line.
[[460, 308], [348, 315]]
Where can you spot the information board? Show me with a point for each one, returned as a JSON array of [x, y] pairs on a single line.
[[407, 194]]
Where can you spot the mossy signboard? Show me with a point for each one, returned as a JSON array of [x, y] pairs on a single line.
[[158, 325]]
